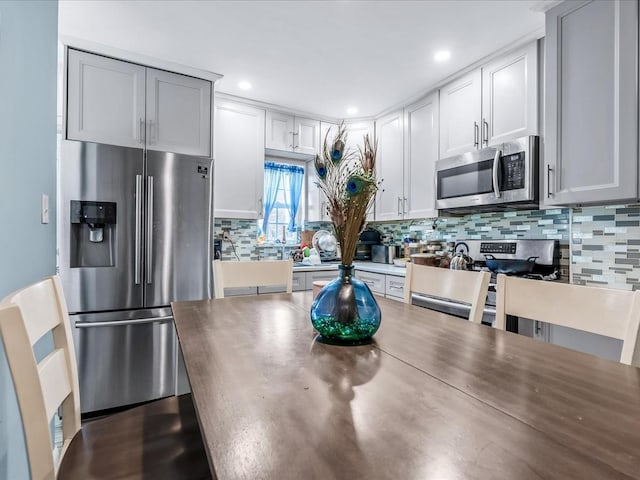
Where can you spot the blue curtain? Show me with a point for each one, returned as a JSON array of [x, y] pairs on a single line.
[[292, 177], [272, 176], [295, 176]]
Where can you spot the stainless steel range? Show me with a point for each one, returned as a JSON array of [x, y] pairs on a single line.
[[540, 257]]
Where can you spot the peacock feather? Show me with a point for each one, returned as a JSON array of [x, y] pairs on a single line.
[[337, 150], [357, 184], [321, 168], [348, 180]]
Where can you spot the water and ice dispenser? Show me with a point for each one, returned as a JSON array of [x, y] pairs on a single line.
[[93, 234]]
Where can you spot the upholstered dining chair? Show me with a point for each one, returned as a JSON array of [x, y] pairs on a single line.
[[160, 439], [603, 311], [458, 285], [262, 273]]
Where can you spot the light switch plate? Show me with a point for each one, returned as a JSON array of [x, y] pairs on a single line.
[[45, 208]]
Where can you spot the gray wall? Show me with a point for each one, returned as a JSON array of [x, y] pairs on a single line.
[[28, 58]]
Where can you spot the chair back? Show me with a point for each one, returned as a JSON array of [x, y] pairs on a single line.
[[458, 285], [41, 388], [263, 273], [603, 311]]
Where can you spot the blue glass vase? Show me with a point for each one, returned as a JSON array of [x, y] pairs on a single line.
[[345, 311]]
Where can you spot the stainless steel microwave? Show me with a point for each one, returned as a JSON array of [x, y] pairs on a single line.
[[500, 177]]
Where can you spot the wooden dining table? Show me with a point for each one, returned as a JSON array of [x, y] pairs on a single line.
[[432, 397]]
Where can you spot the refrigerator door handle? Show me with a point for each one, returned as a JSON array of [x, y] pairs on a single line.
[[149, 229], [138, 230], [121, 323]]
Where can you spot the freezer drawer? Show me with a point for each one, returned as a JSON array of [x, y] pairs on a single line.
[[125, 357]]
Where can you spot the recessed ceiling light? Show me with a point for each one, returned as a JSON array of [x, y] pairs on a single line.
[[352, 111], [442, 55], [244, 85]]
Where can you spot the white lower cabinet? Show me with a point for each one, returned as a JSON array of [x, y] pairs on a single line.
[[238, 291], [299, 281], [394, 287], [375, 281], [391, 286], [320, 275]]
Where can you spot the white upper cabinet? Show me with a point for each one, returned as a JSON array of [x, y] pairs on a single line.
[[421, 153], [120, 103], [306, 135], [510, 96], [460, 115], [178, 113], [407, 153], [279, 132], [239, 161], [327, 128], [491, 105], [292, 134], [591, 153], [106, 100], [390, 199], [356, 132]]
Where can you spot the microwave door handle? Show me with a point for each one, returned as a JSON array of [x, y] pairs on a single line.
[[496, 166]]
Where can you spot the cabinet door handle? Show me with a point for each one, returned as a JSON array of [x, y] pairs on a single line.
[[404, 206], [141, 130], [549, 170], [485, 132], [260, 215], [399, 203], [476, 134]]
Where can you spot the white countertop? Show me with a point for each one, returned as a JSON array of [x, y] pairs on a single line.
[[382, 268], [315, 268]]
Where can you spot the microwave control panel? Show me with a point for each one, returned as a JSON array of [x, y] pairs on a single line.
[[513, 171]]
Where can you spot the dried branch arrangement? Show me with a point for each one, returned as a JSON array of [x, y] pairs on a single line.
[[348, 180]]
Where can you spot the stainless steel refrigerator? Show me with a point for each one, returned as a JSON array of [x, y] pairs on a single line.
[[134, 234]]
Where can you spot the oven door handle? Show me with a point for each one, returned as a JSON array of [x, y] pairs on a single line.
[[496, 167], [446, 303]]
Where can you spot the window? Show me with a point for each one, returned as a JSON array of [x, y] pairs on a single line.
[[282, 193]]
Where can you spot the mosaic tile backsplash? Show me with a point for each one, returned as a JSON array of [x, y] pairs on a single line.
[[605, 246], [600, 246]]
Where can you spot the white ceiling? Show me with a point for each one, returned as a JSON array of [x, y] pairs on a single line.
[[313, 56]]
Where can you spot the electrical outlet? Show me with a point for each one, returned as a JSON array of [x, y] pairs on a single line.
[[226, 234]]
